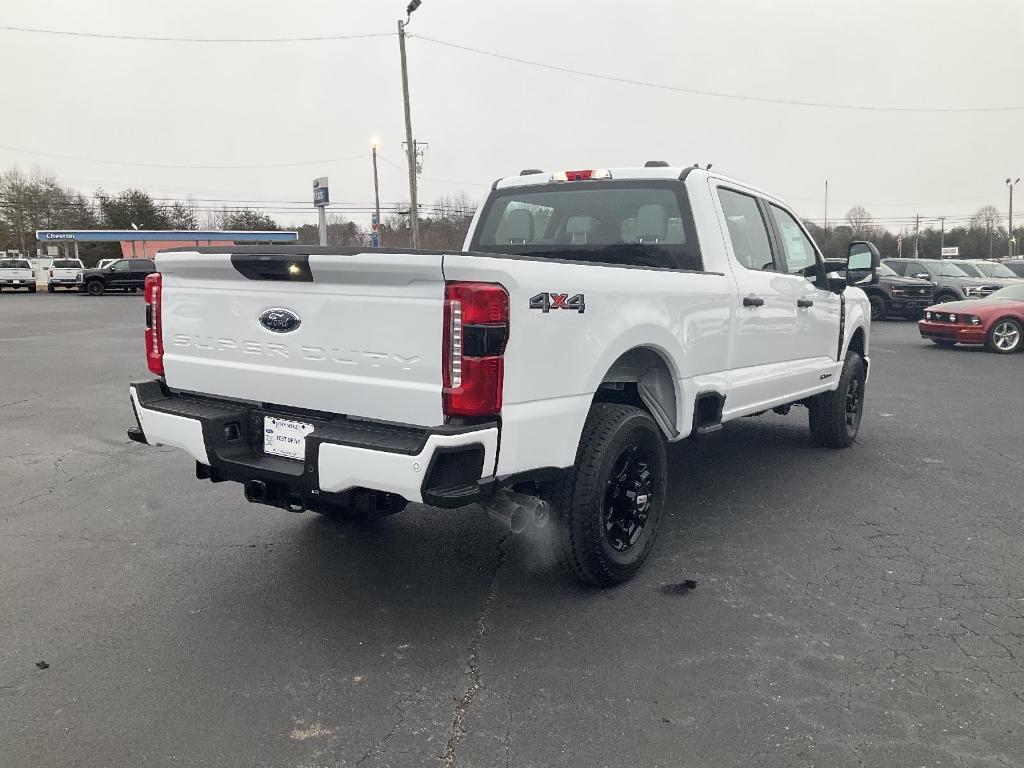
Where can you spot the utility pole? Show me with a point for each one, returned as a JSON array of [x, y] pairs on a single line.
[[824, 247], [917, 232], [942, 237], [376, 193], [990, 239], [414, 226], [1009, 240]]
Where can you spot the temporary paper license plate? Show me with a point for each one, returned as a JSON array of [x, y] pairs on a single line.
[[282, 437]]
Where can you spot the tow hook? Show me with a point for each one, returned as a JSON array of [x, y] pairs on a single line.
[[256, 491], [519, 511]]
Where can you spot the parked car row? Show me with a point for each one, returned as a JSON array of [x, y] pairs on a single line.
[[115, 274]]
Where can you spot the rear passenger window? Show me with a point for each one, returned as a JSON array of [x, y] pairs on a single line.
[[801, 258], [747, 230]]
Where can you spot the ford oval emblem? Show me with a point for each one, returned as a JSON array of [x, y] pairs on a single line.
[[279, 320]]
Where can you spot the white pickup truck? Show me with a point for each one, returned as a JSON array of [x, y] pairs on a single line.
[[592, 316], [17, 273], [63, 273]]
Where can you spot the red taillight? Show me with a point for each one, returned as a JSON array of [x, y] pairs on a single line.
[[51, 273], [154, 324], [475, 333]]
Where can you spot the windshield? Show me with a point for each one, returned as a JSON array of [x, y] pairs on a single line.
[[994, 269], [884, 271], [65, 264], [624, 223], [946, 269], [1010, 292], [971, 270], [14, 264]]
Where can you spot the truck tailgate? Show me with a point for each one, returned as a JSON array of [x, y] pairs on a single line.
[[358, 334]]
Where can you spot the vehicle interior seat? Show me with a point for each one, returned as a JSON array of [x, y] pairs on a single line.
[[516, 228], [651, 223]]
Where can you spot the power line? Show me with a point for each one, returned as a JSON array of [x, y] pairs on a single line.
[[160, 39], [179, 165], [715, 94]]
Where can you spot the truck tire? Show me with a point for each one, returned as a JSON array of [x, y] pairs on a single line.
[[943, 296], [834, 417], [95, 288], [51, 289], [607, 511], [879, 306], [31, 289], [1005, 336]]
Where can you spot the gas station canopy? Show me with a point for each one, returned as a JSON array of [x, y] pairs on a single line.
[[163, 235]]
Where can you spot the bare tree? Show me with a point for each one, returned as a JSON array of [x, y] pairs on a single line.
[[987, 218]]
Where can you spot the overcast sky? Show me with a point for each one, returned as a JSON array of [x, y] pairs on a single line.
[[234, 104]]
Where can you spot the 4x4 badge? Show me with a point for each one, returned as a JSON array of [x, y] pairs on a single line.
[[545, 302]]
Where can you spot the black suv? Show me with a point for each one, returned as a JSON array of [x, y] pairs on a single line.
[[894, 295], [1014, 265], [951, 283], [125, 275]]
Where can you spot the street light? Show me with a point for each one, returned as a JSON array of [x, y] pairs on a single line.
[[1011, 183]]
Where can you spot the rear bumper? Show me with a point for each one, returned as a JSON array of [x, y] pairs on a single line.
[[963, 334], [447, 466]]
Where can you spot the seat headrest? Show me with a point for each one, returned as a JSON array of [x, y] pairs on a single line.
[[516, 228], [651, 223], [579, 229]]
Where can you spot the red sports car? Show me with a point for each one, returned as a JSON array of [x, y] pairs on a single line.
[[997, 321]]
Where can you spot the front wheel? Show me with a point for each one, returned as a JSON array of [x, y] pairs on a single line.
[[834, 417], [1005, 336], [879, 309], [944, 298], [95, 288], [609, 508]]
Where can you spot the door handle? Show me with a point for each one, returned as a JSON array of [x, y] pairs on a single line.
[[804, 303], [753, 301]]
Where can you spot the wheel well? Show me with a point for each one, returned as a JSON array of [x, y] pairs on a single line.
[[857, 342], [641, 377]]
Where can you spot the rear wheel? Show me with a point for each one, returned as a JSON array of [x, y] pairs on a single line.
[[879, 307], [95, 288], [31, 289], [1005, 336], [51, 289], [834, 417], [609, 508], [944, 343]]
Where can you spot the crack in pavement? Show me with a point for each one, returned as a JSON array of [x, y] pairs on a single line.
[[473, 660], [402, 707]]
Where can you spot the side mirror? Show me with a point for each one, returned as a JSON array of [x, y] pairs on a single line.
[[862, 260]]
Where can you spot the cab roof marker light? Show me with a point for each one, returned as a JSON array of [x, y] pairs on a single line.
[[583, 175]]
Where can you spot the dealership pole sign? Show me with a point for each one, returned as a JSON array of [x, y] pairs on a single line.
[[321, 192]]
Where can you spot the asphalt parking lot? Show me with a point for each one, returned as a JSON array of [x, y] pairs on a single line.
[[863, 607]]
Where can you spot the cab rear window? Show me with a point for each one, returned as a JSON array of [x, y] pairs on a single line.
[[618, 223], [14, 264]]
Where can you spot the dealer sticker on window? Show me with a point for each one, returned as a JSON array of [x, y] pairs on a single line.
[[282, 437]]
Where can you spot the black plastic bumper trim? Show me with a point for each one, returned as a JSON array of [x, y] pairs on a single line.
[[233, 432]]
